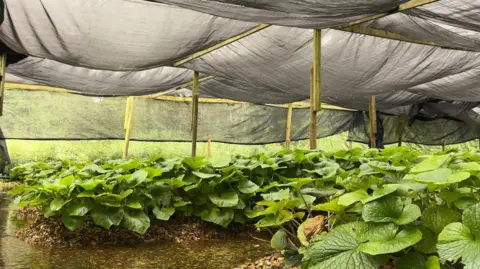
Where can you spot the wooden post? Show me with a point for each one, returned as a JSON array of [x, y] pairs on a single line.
[[313, 115], [350, 144], [209, 146], [128, 125], [400, 132], [195, 91], [444, 145], [3, 67], [288, 134], [373, 121]]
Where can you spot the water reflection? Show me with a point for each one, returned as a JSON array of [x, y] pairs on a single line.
[[211, 254]]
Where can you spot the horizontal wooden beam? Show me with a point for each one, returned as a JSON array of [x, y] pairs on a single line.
[[394, 36], [221, 44], [33, 87]]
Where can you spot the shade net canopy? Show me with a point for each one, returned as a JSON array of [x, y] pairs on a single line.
[[420, 61]]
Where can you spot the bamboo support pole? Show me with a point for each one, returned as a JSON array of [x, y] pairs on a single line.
[[128, 125], [288, 132], [195, 93], [373, 121], [317, 69], [209, 146], [3, 67], [313, 116], [444, 144], [350, 144]]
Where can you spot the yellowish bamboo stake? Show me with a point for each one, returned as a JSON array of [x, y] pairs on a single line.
[[195, 94], [3, 67], [313, 115], [317, 69], [288, 134], [373, 121], [128, 125], [350, 145], [209, 146]]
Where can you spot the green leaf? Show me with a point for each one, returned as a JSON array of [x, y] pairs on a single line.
[[380, 192], [107, 216], [134, 204], [204, 175], [138, 177], [247, 186], [163, 213], [352, 197], [68, 180], [405, 238], [279, 240], [86, 194], [468, 167], [465, 202], [77, 209], [331, 206], [471, 219], [412, 260], [153, 172], [195, 162], [441, 177], [428, 244], [90, 183], [227, 199], [456, 242], [431, 163], [339, 250], [390, 209], [72, 223], [136, 221], [433, 262], [276, 220], [58, 203], [220, 216], [277, 196], [436, 218]]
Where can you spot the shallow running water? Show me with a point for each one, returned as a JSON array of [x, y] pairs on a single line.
[[210, 254]]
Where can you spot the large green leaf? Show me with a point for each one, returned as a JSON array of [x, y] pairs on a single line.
[[428, 244], [436, 218], [275, 220], [431, 163], [390, 209], [352, 197], [58, 203], [277, 196], [220, 216], [471, 219], [227, 199], [380, 192], [279, 240], [456, 242], [138, 178], [78, 208], [339, 249], [195, 162], [405, 238], [107, 216], [72, 223], [136, 221], [204, 175], [331, 206], [441, 177], [247, 186], [163, 213]]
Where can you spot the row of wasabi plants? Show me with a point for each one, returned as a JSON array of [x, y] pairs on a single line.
[[348, 209]]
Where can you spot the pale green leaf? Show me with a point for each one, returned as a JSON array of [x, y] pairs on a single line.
[[441, 177], [204, 175], [390, 209], [436, 218], [431, 163], [247, 186], [277, 196], [405, 238], [352, 197], [107, 216], [58, 203], [456, 243], [77, 209], [380, 192], [227, 199], [163, 213], [136, 221], [279, 240]]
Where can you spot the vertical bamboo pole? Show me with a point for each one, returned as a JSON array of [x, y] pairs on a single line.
[[209, 146], [313, 115], [128, 125], [317, 69], [288, 132], [195, 112], [3, 67], [444, 144], [400, 132], [373, 121], [350, 144]]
